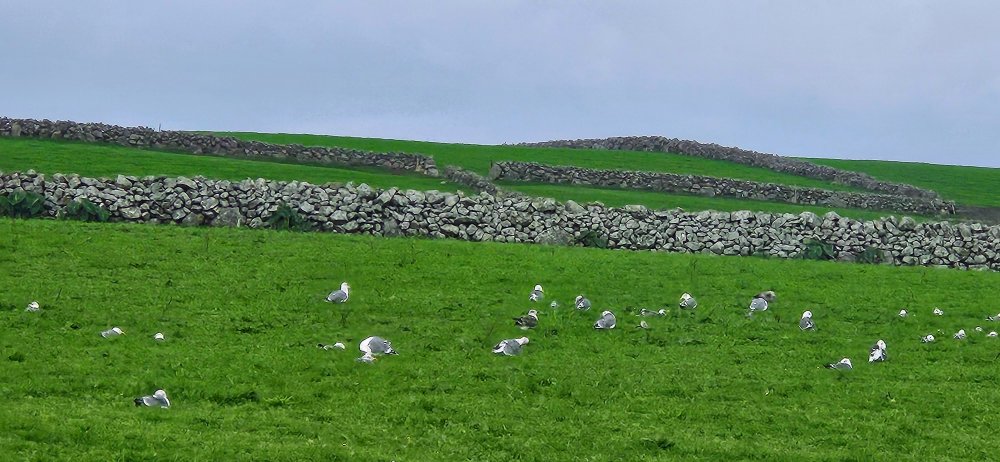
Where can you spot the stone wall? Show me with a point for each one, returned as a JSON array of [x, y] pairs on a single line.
[[484, 217], [743, 156], [709, 186], [194, 143]]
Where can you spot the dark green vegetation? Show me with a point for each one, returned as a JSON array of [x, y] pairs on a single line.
[[478, 158], [242, 312], [101, 160], [965, 185]]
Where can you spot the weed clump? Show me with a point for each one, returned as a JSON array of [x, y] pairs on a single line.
[[22, 204], [286, 218], [84, 210]]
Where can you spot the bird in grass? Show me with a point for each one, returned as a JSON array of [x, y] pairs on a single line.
[[510, 347], [376, 346], [642, 325], [992, 334], [759, 302], [335, 346], [806, 322], [903, 313], [367, 358], [993, 318], [938, 312], [340, 296], [877, 352], [33, 307], [554, 304], [528, 321], [645, 312], [112, 332], [843, 365], [927, 338], [158, 399], [582, 303], [607, 321], [158, 337], [537, 294], [979, 328], [688, 302], [960, 335]]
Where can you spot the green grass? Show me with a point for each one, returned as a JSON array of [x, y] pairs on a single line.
[[242, 313], [618, 197], [965, 185], [478, 158], [99, 160]]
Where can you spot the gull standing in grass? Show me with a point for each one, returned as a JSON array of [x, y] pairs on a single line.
[[582, 303], [112, 332], [340, 296], [607, 321], [760, 301], [33, 307], [903, 313], [510, 347], [806, 322], [537, 294], [376, 346], [877, 352], [158, 336], [843, 365], [927, 338], [158, 399], [960, 335], [992, 334], [938, 312], [528, 321], [688, 302], [993, 318]]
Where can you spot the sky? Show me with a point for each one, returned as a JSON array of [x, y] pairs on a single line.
[[908, 80]]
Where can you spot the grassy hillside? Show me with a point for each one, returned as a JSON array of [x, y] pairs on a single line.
[[479, 158], [97, 160], [966, 185], [242, 314], [655, 200]]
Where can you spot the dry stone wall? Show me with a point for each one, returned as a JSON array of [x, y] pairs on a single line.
[[743, 156], [194, 143], [485, 217], [709, 186]]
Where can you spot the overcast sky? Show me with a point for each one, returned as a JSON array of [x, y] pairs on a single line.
[[899, 80]]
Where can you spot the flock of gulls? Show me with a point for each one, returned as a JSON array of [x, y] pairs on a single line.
[[374, 346]]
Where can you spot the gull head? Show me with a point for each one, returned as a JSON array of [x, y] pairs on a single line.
[[662, 312], [807, 314], [605, 313], [533, 313], [685, 296], [158, 336], [880, 344], [578, 298], [643, 325], [521, 341], [539, 288], [345, 286]]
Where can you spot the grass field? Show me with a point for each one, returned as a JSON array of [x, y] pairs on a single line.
[[242, 312], [478, 158], [965, 185], [100, 160]]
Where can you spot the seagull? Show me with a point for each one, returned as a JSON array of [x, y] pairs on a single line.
[[993, 318], [339, 296], [960, 334], [806, 323], [159, 398], [554, 304], [903, 313], [582, 303], [366, 358], [376, 346], [112, 332], [877, 352], [938, 312], [158, 336], [757, 304], [927, 338], [338, 345], [528, 321], [687, 301], [537, 294], [607, 321], [992, 334], [979, 328], [33, 307], [510, 347], [643, 325], [843, 365], [645, 312]]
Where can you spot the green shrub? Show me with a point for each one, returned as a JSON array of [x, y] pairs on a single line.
[[22, 204], [818, 250], [84, 210], [592, 238], [870, 255], [288, 219]]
